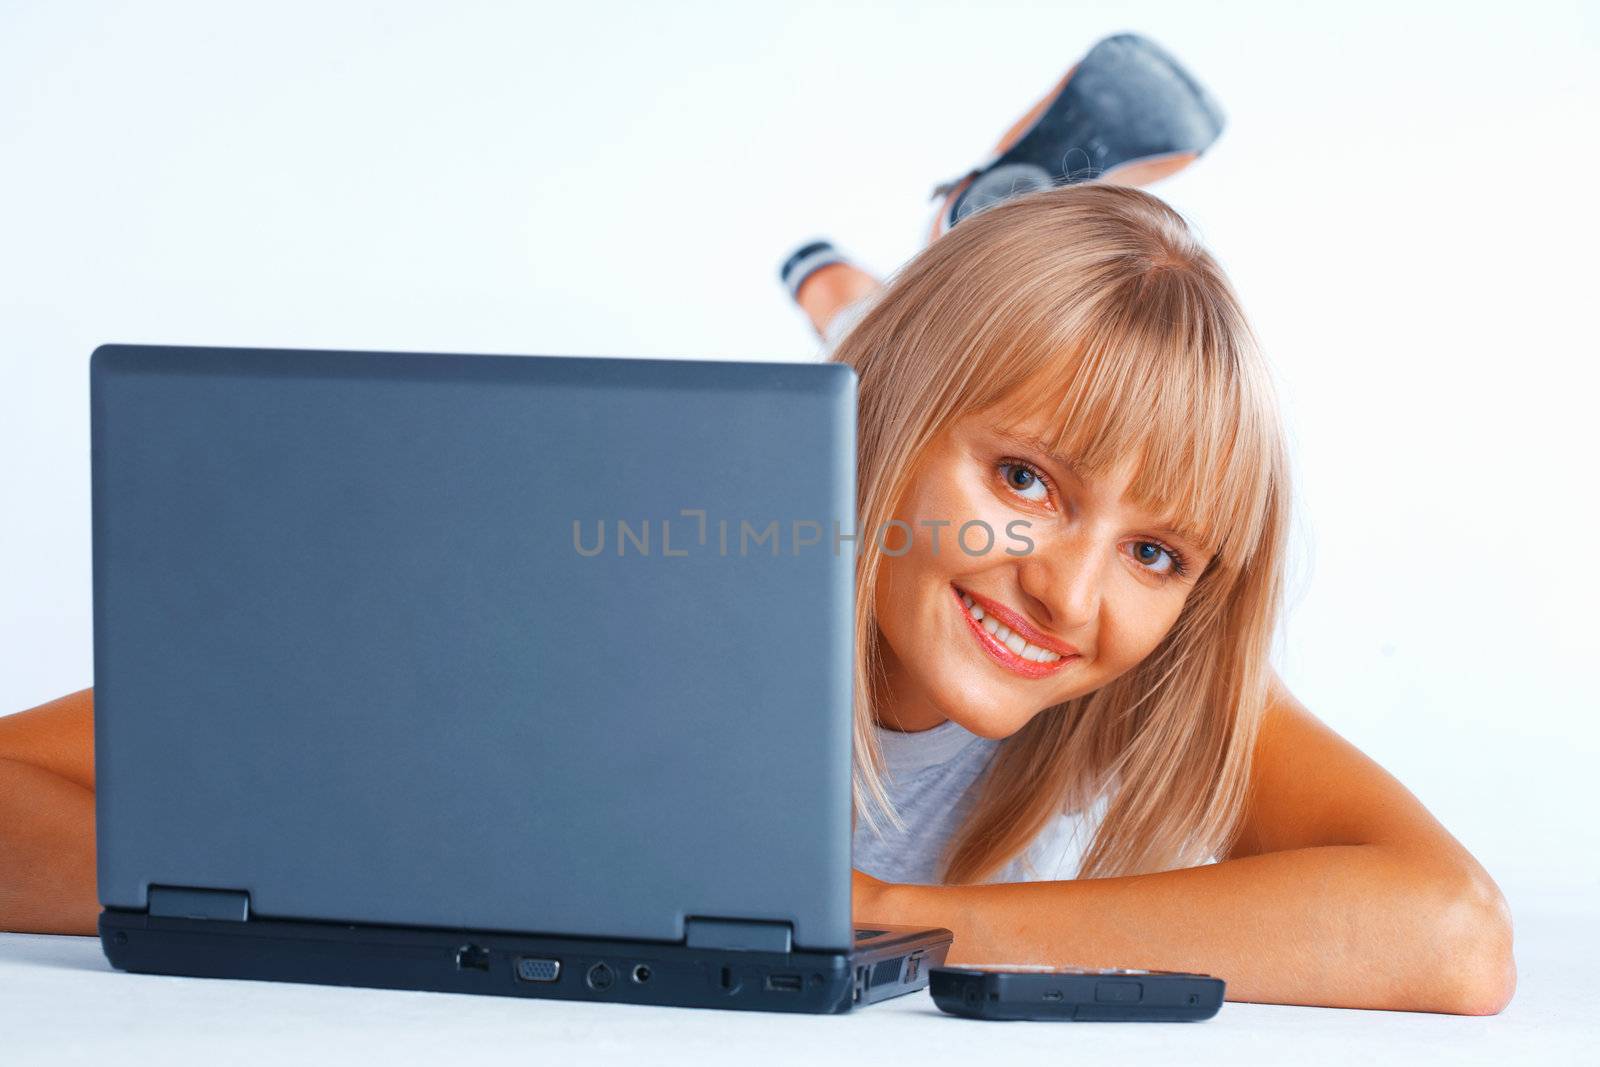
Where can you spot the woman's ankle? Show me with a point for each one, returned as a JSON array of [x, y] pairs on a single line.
[[830, 289]]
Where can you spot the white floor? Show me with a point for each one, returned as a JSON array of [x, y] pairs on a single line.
[[60, 1002]]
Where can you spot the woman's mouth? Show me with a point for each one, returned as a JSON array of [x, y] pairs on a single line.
[[1004, 644]]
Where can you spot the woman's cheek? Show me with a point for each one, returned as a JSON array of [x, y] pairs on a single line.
[[1133, 624], [979, 535], [931, 519]]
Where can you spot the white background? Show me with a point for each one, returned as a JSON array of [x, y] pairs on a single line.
[[1404, 196]]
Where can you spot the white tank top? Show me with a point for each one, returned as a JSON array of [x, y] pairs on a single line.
[[928, 775]]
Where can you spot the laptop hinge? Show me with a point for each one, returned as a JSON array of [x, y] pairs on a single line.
[[179, 902], [739, 934]]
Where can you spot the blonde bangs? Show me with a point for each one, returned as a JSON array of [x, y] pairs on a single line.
[[1156, 375]]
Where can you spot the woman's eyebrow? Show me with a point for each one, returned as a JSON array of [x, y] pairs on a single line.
[[1191, 538], [1030, 441]]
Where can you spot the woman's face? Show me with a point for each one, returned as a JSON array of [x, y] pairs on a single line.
[[1094, 593]]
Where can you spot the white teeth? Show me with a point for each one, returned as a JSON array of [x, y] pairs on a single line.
[[1003, 634]]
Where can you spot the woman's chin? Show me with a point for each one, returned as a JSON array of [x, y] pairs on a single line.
[[996, 726], [983, 702]]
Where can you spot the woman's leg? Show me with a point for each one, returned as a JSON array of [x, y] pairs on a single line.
[[1127, 113], [829, 290], [1007, 139], [1138, 172]]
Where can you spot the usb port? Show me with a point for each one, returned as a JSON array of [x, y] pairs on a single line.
[[784, 983]]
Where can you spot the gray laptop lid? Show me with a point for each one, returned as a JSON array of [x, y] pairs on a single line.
[[356, 653]]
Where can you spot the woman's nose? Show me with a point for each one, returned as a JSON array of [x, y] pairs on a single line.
[[1065, 581]]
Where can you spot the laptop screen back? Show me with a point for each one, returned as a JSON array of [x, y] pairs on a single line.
[[519, 643]]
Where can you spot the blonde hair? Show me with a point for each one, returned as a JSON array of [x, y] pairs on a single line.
[[1096, 306]]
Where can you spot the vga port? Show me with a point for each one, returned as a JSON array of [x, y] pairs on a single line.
[[536, 969]]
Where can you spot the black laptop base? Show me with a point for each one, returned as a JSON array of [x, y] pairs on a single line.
[[894, 962]]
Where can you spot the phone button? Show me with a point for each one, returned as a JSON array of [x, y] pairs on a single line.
[[1118, 992]]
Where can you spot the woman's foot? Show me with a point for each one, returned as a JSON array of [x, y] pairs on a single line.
[[823, 282], [1127, 114]]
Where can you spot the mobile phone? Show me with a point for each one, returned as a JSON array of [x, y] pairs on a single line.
[[1084, 994]]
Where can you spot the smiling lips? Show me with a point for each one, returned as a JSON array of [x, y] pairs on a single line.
[[1010, 642]]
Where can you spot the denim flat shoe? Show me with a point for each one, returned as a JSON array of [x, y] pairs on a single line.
[[1126, 104]]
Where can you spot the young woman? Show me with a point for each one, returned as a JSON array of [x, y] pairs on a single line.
[[1072, 748]]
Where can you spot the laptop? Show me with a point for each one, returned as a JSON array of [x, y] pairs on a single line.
[[516, 675]]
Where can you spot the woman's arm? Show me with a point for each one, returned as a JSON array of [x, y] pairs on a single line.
[[47, 857], [1342, 891]]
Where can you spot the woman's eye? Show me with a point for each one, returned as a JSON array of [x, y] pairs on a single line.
[[1024, 482], [1148, 552]]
